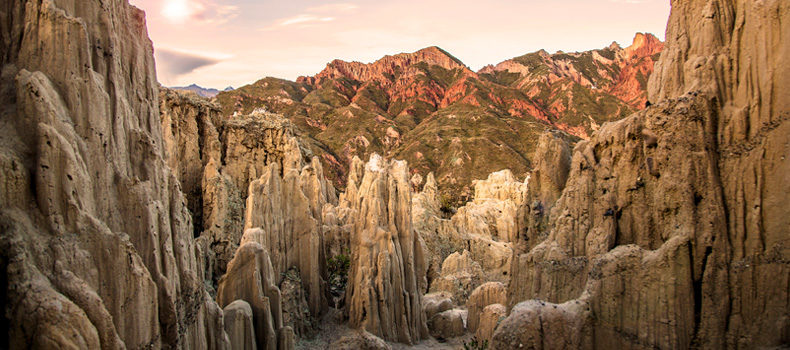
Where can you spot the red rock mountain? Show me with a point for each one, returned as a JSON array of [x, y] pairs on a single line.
[[429, 108]]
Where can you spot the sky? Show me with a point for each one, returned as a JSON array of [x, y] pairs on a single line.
[[220, 43]]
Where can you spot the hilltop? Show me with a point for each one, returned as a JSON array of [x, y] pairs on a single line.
[[430, 109]]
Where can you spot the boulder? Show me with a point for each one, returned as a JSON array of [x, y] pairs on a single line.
[[435, 303], [448, 324], [489, 320], [536, 324], [484, 295]]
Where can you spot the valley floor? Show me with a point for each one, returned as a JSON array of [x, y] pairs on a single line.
[[332, 328]]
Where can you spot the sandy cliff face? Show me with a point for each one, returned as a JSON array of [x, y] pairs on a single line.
[[387, 265], [96, 236], [671, 227]]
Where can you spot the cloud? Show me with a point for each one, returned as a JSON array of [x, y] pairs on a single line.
[[173, 63], [304, 19], [333, 8], [314, 15], [210, 13], [197, 11]]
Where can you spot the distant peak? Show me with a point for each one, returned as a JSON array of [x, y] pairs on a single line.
[[438, 51], [385, 68], [644, 39], [645, 44]]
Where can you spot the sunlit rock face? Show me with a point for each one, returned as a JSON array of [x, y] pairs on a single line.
[[97, 241], [429, 109], [475, 244], [672, 227], [387, 269]]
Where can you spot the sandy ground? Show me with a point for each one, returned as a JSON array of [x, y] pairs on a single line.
[[332, 328]]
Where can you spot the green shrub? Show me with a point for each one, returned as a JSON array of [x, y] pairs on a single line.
[[475, 344], [338, 267]]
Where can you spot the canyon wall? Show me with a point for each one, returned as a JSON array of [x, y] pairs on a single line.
[[673, 224], [97, 240]]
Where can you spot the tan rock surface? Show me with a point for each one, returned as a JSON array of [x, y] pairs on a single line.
[[360, 340], [486, 227], [97, 237], [434, 303], [279, 216], [448, 324], [251, 278], [535, 324], [736, 53], [489, 320], [190, 132], [484, 295], [296, 311], [387, 268], [546, 182], [239, 325], [681, 202], [460, 275]]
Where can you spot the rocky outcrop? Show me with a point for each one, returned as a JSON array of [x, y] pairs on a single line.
[[239, 325], [484, 295], [490, 318], [681, 201], [284, 201], [460, 275], [539, 325], [384, 69], [250, 277], [218, 158], [448, 324], [97, 240], [546, 182], [480, 234], [191, 128], [736, 54], [283, 214], [628, 188], [360, 340], [384, 286]]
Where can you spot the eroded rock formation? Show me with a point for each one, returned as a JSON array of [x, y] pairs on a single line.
[[671, 227], [97, 240], [484, 295], [239, 325], [475, 244], [251, 278], [387, 269]]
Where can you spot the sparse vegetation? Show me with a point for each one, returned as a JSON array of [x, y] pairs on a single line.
[[482, 125], [338, 267], [475, 344]]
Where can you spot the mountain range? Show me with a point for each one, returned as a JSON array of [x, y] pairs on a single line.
[[430, 109], [137, 217], [201, 91]]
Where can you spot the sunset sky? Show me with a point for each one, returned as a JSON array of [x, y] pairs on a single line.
[[217, 43]]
